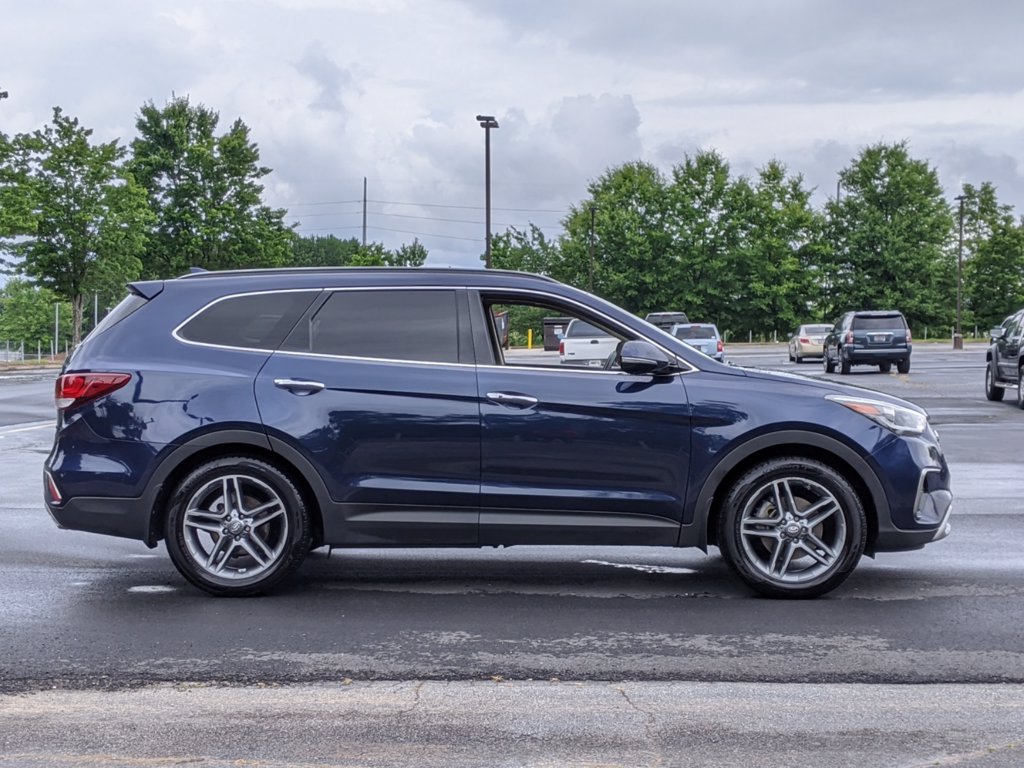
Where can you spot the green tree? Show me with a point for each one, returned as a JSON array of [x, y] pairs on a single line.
[[774, 265], [993, 258], [705, 228], [890, 238], [626, 217], [323, 251], [412, 254], [206, 193], [27, 315], [528, 251], [88, 216]]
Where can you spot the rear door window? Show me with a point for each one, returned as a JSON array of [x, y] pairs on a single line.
[[413, 325]]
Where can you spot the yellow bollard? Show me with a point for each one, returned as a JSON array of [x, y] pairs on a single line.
[[529, 338]]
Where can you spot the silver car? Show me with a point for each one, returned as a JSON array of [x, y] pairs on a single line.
[[808, 341], [702, 336]]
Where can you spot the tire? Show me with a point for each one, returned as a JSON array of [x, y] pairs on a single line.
[[992, 392], [844, 366], [230, 549], [798, 360], [827, 363], [792, 359], [903, 366], [790, 555], [884, 367], [1020, 388]]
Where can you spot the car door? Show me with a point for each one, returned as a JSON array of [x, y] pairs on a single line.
[[376, 389], [1008, 347], [575, 455]]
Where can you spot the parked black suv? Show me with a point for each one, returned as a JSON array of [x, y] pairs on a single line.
[[868, 338], [1003, 364]]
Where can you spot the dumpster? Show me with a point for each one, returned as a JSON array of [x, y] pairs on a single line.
[[554, 327]]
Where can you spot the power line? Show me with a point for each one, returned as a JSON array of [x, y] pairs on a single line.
[[433, 205], [386, 229], [422, 218]]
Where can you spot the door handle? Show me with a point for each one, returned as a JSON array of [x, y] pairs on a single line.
[[512, 399], [299, 386]]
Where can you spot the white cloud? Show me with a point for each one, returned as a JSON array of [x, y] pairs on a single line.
[[338, 90]]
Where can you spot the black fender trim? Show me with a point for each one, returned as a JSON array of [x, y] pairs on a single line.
[[181, 454], [695, 534]]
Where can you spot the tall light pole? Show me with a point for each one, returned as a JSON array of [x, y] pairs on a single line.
[[958, 337], [593, 211], [487, 122]]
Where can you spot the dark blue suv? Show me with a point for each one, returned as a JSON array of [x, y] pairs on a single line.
[[247, 417]]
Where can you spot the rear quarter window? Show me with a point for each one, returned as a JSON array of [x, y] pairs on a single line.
[[249, 321]]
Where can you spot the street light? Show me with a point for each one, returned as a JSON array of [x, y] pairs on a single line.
[[487, 122], [958, 337]]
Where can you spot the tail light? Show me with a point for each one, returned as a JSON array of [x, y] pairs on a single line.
[[849, 337], [909, 337], [804, 340], [721, 346], [561, 348], [74, 389]]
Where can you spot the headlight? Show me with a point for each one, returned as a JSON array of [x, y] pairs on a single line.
[[902, 421]]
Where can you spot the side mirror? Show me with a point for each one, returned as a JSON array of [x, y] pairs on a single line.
[[642, 357], [997, 333]]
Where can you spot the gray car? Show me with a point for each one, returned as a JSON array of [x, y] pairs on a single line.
[[702, 336]]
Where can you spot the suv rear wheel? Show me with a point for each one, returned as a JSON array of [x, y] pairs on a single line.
[[792, 527], [237, 526], [992, 392], [903, 366], [844, 365]]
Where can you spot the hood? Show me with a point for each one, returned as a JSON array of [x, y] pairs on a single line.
[[827, 386]]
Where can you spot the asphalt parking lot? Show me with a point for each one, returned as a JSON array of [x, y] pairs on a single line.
[[574, 656]]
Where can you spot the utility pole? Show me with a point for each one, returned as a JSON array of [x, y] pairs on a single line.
[[958, 338], [364, 211], [592, 212], [487, 122]]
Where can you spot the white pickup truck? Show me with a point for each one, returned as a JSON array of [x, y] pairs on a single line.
[[584, 344]]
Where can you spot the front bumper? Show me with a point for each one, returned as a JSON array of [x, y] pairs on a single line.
[[921, 503]]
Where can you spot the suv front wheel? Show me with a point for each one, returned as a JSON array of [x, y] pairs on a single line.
[[792, 527], [992, 392], [237, 526]]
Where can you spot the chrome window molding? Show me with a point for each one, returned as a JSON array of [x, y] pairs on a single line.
[[624, 330]]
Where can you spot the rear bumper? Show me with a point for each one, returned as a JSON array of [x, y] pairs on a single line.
[[126, 518], [809, 350], [873, 356]]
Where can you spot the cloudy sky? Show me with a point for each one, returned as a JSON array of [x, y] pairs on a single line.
[[338, 90]]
